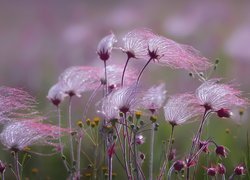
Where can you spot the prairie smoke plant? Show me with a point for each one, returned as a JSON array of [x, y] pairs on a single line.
[[136, 43], [56, 95], [126, 99], [78, 79], [105, 47], [181, 108], [154, 98], [218, 97], [177, 56], [18, 135]]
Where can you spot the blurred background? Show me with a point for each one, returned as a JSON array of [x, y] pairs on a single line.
[[39, 39]]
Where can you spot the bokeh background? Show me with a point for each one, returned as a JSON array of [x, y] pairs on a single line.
[[39, 39]]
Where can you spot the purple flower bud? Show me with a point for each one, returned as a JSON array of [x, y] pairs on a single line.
[[179, 165], [224, 113], [221, 168], [211, 171], [139, 139], [221, 151], [239, 170]]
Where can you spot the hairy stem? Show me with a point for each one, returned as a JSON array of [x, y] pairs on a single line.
[[163, 168], [60, 139], [71, 137], [17, 166], [151, 160]]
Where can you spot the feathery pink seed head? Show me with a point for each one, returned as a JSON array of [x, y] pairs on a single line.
[[105, 46], [154, 97], [216, 96], [136, 43], [56, 95], [181, 108], [78, 79]]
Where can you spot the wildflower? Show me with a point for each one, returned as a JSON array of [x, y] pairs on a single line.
[[212, 171], [78, 79], [20, 134], [239, 170], [179, 165], [219, 97], [56, 95], [221, 169], [154, 98], [221, 151], [170, 53], [181, 108], [125, 99], [105, 47], [139, 139], [136, 43]]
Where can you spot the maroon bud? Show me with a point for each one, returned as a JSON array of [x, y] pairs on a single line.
[[221, 168], [172, 154], [224, 113], [211, 171], [139, 139], [103, 54], [221, 151], [2, 167], [179, 165], [239, 170], [204, 146]]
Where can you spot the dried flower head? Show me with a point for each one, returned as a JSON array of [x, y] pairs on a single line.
[[125, 99], [16, 104], [216, 96], [56, 95], [78, 79], [154, 97], [18, 135], [136, 43], [105, 47], [180, 108], [170, 53]]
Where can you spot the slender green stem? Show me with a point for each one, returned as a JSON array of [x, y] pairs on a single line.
[[151, 160], [2, 175], [17, 166], [71, 137], [79, 155], [60, 138], [163, 168]]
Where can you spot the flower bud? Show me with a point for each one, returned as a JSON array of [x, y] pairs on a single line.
[[179, 165], [211, 171], [239, 170], [221, 151], [221, 168], [224, 113], [139, 139]]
